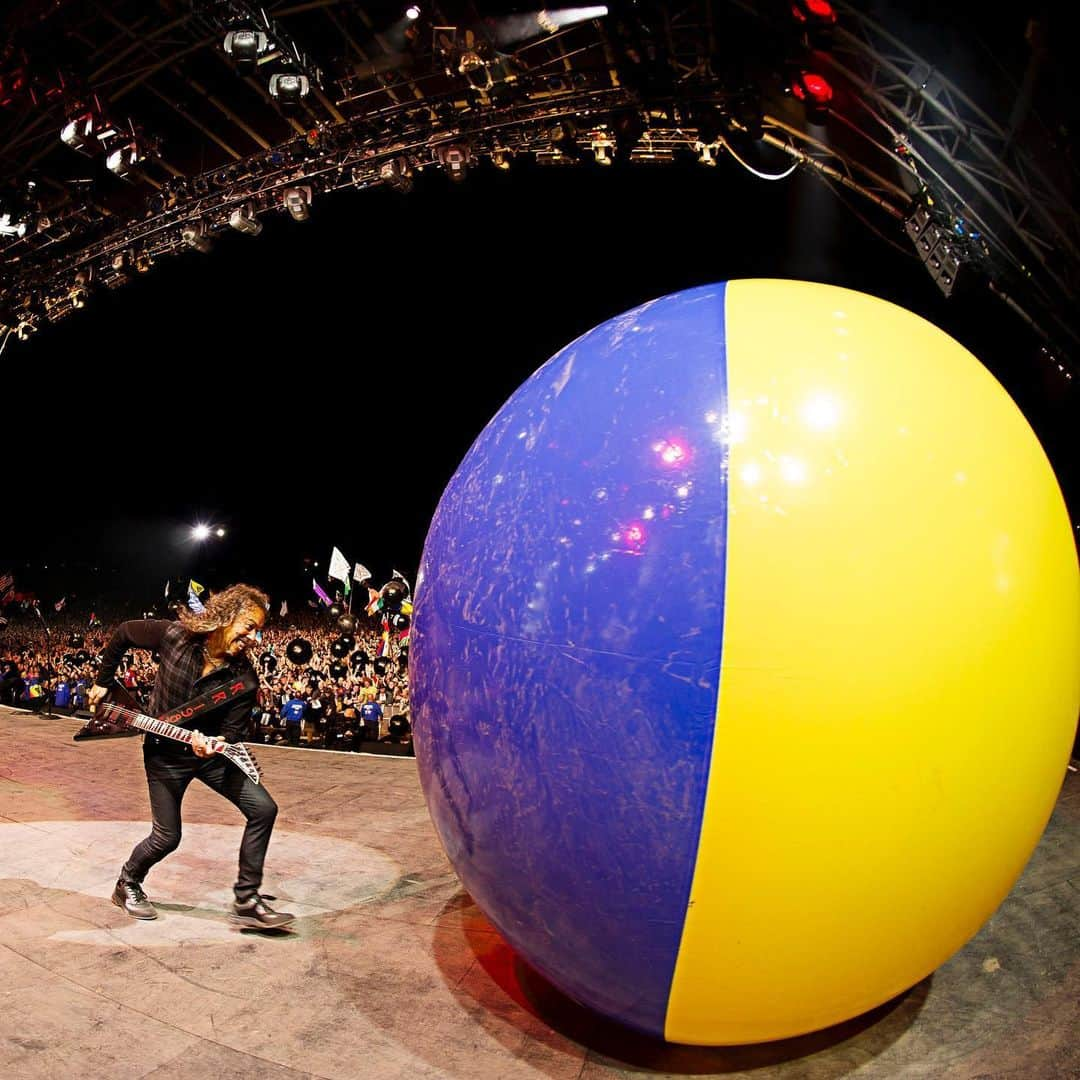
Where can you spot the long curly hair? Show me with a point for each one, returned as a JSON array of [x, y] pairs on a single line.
[[223, 607]]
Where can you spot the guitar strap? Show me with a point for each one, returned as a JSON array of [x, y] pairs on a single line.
[[241, 684]]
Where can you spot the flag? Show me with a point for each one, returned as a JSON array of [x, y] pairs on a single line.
[[9, 595], [348, 587], [320, 592], [37, 608], [193, 600], [59, 605], [93, 616], [196, 588], [374, 601], [339, 567], [6, 582], [284, 609], [166, 590], [384, 644], [361, 573]]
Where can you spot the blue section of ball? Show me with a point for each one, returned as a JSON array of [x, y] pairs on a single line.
[[566, 652]]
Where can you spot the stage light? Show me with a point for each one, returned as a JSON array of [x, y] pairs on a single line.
[[80, 133], [455, 160], [397, 173], [297, 201], [813, 13], [475, 71], [501, 157], [243, 220], [245, 48], [288, 89], [812, 89], [8, 227], [706, 152], [123, 159], [200, 532], [412, 12], [219, 532], [194, 236], [602, 144]]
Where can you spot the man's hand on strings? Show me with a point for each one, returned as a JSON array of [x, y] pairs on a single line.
[[205, 745], [95, 695]]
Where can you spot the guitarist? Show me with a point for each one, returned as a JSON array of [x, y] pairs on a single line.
[[199, 653]]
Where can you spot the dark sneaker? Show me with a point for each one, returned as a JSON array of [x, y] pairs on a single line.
[[129, 896], [256, 913]]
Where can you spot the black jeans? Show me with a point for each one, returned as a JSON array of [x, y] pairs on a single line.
[[168, 779]]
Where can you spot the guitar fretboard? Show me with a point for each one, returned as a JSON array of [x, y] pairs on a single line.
[[160, 727]]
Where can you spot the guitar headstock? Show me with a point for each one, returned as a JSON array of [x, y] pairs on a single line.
[[240, 756]]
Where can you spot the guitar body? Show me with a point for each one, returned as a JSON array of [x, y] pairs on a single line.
[[119, 714], [106, 722]]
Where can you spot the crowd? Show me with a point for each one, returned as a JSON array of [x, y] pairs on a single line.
[[339, 698]]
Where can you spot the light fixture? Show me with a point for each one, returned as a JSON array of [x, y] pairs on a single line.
[[245, 47], [813, 13], [80, 133], [475, 71], [705, 152], [123, 159], [501, 157], [219, 532], [813, 90], [200, 532], [455, 160], [412, 12], [397, 173], [8, 227], [288, 89], [243, 220], [602, 144], [297, 201], [194, 236]]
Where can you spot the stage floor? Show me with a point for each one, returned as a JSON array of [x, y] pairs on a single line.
[[391, 970]]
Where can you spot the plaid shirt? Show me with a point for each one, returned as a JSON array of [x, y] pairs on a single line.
[[179, 677]]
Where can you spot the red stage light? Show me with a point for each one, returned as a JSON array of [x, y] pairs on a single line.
[[820, 12], [812, 88], [635, 535]]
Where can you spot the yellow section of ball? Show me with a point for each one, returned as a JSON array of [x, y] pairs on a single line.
[[899, 682]]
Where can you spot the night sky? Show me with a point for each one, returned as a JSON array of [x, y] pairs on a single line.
[[318, 384]]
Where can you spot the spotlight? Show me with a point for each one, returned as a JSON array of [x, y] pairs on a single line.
[[412, 12], [455, 159], [243, 220], [288, 89], [813, 13], [602, 144], [297, 201], [123, 159], [397, 173], [200, 532], [8, 227], [219, 533], [475, 71], [81, 132], [501, 157], [706, 152], [245, 48], [194, 236], [813, 90]]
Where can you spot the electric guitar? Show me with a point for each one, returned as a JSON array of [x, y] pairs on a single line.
[[119, 714]]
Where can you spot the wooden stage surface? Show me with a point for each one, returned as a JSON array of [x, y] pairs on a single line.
[[391, 970]]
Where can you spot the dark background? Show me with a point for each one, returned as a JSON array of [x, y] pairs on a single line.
[[318, 384]]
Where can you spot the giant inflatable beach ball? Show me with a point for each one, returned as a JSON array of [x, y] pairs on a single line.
[[744, 670]]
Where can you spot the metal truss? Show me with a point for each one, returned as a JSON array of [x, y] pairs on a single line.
[[652, 81], [965, 159]]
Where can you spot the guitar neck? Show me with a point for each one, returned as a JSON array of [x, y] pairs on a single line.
[[160, 727]]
